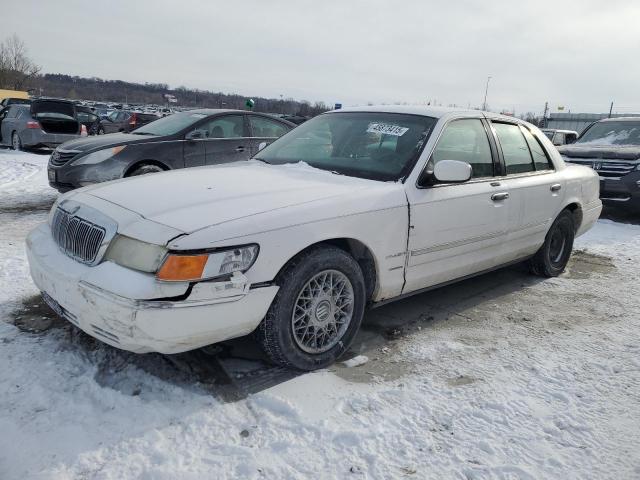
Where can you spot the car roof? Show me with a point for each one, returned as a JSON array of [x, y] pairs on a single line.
[[429, 111], [557, 130], [620, 119]]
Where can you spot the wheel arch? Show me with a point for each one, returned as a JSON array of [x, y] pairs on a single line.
[[358, 250], [140, 163], [576, 210]]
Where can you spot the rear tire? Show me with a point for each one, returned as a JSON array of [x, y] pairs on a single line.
[[553, 256], [16, 143], [317, 312], [145, 169]]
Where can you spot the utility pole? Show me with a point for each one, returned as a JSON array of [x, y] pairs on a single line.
[[610, 109], [486, 90], [544, 115]]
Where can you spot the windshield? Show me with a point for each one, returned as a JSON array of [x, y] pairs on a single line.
[[612, 133], [170, 125], [377, 146]]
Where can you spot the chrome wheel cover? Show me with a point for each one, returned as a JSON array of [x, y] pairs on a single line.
[[322, 312]]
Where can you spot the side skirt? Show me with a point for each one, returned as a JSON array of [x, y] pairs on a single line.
[[450, 282]]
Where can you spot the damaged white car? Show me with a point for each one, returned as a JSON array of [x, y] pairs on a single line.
[[352, 209]]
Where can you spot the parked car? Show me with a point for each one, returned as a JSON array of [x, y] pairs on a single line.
[[124, 121], [5, 102], [353, 208], [612, 148], [560, 137], [44, 123], [88, 118], [188, 139]]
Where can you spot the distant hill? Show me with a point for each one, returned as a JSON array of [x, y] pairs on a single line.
[[98, 89]]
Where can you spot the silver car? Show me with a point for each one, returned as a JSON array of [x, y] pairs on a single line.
[[44, 123]]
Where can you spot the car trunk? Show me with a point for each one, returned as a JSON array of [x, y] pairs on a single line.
[[55, 116]]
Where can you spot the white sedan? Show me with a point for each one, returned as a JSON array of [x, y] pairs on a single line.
[[353, 208]]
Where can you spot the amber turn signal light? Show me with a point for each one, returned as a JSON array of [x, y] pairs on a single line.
[[182, 268]]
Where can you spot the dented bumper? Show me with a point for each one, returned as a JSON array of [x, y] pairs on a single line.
[[132, 311]]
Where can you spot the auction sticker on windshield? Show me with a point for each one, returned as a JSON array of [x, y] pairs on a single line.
[[386, 129]]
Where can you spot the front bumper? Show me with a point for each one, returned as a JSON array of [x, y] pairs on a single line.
[[212, 312], [69, 176], [623, 191]]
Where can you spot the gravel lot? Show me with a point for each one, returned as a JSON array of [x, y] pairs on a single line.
[[504, 376]]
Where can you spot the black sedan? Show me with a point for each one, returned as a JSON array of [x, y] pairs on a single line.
[[187, 139]]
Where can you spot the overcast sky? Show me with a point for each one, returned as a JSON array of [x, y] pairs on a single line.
[[580, 54]]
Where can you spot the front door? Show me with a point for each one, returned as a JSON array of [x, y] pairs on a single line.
[[458, 229], [227, 140]]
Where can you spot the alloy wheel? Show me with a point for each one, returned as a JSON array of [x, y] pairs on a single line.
[[322, 312]]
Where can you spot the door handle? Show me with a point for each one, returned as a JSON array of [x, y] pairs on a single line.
[[555, 187], [239, 149], [496, 197]]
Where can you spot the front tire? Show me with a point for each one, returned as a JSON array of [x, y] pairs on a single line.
[[101, 131], [317, 312], [553, 256], [144, 169]]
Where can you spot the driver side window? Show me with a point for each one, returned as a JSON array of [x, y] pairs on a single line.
[[466, 141], [230, 126]]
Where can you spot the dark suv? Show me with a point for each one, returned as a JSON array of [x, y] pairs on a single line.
[[612, 148], [123, 121]]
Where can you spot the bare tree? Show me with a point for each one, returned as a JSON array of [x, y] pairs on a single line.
[[16, 68]]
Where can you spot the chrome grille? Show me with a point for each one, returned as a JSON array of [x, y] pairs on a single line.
[[60, 157], [77, 237], [606, 168]]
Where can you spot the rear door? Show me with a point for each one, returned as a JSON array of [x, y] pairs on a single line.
[[264, 129], [458, 229], [536, 190]]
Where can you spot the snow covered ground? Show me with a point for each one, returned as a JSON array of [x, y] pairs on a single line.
[[505, 376]]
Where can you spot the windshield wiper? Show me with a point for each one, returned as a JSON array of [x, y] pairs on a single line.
[[261, 160], [143, 133]]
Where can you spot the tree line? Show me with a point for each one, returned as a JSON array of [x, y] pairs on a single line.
[[19, 72]]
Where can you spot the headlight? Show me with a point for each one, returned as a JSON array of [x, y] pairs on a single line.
[[191, 267], [99, 156], [135, 254]]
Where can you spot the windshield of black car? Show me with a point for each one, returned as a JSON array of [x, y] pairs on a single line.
[[169, 125], [377, 146], [612, 133]]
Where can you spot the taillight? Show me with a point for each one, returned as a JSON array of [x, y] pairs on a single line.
[[33, 124], [133, 120], [83, 130]]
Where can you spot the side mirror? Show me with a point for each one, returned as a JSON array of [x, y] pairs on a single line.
[[195, 135], [452, 171], [261, 145]]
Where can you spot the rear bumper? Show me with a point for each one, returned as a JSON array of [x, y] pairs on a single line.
[[212, 312], [590, 215], [40, 138]]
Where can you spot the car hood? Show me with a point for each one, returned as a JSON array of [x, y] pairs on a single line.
[[195, 198], [591, 150], [98, 142]]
